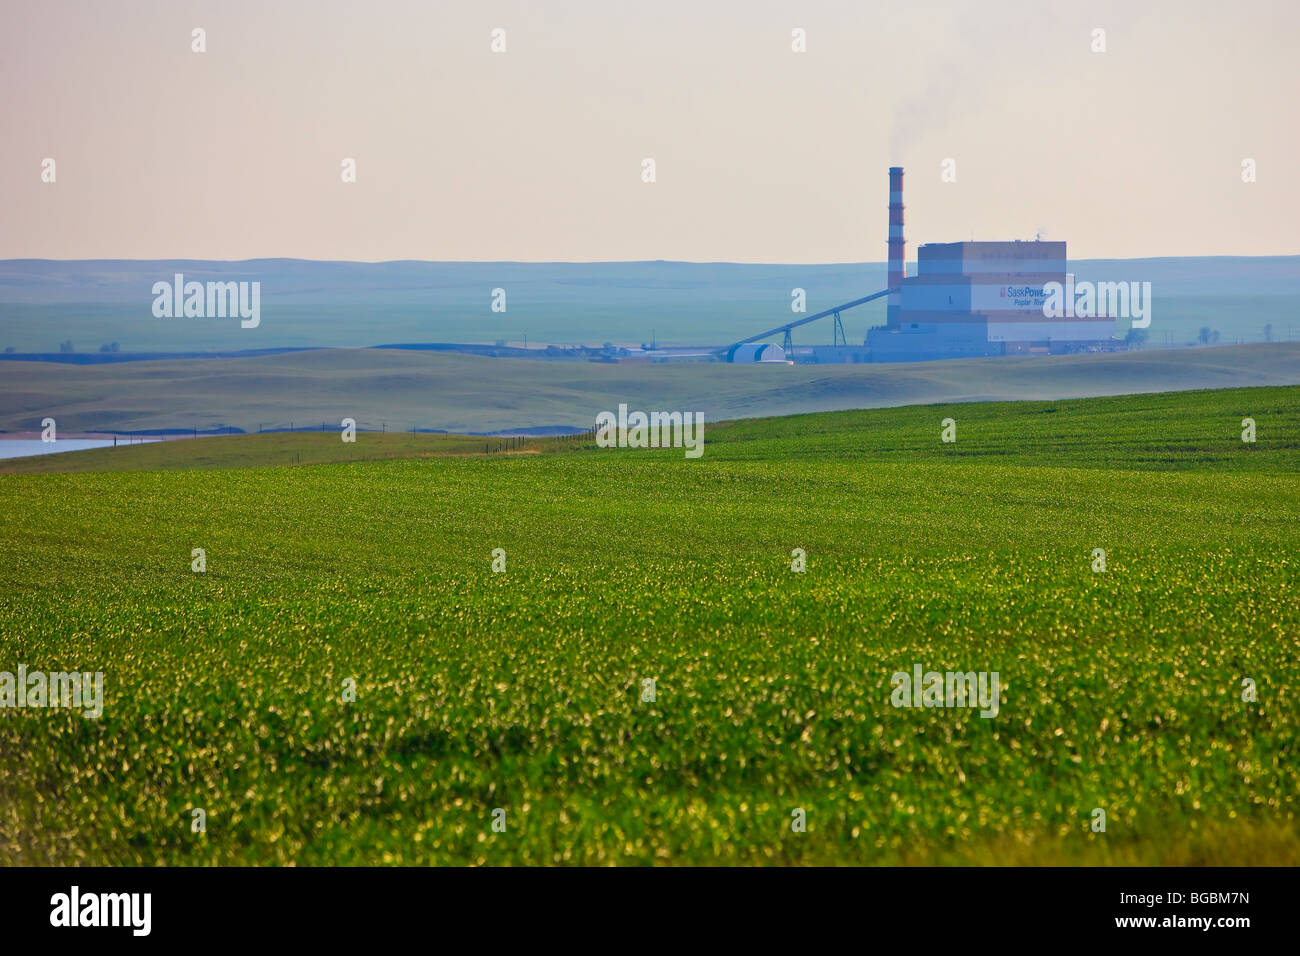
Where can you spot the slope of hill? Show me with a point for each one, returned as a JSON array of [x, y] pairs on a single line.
[[1198, 429], [466, 393]]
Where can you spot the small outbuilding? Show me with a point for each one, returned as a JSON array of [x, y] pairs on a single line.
[[750, 352]]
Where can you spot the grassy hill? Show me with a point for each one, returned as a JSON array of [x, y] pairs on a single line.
[[1198, 428], [466, 393], [523, 690], [276, 448]]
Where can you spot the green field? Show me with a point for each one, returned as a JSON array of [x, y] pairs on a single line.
[[275, 448], [1120, 691]]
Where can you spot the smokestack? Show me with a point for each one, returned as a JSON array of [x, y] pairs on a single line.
[[896, 247]]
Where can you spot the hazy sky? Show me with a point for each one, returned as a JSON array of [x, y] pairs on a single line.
[[762, 154]]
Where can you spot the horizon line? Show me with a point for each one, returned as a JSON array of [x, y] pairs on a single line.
[[581, 262]]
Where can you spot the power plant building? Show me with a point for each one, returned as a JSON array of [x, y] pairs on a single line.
[[982, 298], [975, 298], [967, 299]]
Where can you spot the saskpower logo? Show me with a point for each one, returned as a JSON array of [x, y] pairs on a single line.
[[75, 908]]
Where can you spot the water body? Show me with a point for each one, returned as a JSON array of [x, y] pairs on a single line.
[[26, 447]]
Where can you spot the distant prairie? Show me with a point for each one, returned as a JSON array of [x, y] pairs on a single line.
[[399, 390], [94, 304]]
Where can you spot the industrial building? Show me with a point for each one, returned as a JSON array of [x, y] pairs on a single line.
[[751, 352], [967, 299], [983, 298]]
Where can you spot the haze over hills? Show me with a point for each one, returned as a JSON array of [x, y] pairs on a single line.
[[313, 304], [330, 308], [467, 393]]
